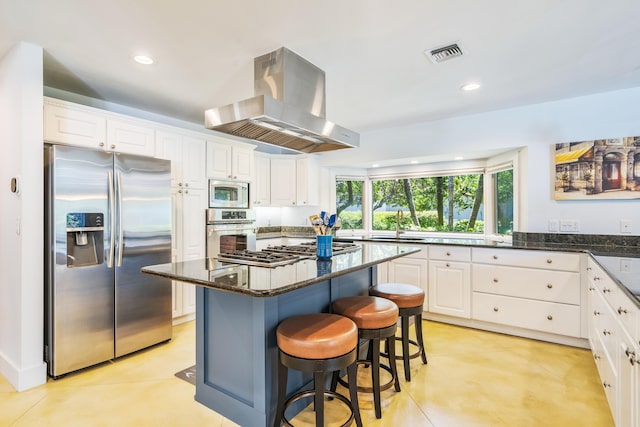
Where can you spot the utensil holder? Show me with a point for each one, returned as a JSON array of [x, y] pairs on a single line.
[[324, 247]]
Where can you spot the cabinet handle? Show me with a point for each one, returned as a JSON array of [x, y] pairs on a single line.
[[495, 280], [605, 290], [549, 317], [596, 313], [605, 332], [622, 311], [596, 278], [631, 355], [549, 285], [596, 356], [495, 309], [495, 257], [549, 261]]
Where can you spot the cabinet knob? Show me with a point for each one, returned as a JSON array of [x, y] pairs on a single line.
[[495, 257], [179, 184], [495, 280], [549, 261], [596, 356], [549, 285], [596, 278], [186, 191], [596, 313], [592, 288], [605, 332], [113, 146], [447, 264], [622, 311], [101, 144], [588, 268], [179, 191], [186, 184], [606, 384], [605, 290], [235, 177], [495, 309], [549, 317], [293, 203], [229, 176], [448, 253]]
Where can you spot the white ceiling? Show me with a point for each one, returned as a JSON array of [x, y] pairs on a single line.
[[522, 52]]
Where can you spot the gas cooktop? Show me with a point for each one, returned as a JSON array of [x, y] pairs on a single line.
[[274, 256]]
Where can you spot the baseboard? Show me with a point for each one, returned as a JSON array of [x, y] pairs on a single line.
[[23, 379], [183, 319]]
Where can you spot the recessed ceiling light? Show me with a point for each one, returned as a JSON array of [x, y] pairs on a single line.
[[143, 59], [458, 158], [375, 165], [413, 162], [468, 87]]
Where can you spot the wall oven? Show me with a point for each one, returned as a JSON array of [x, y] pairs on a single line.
[[230, 230], [228, 194]]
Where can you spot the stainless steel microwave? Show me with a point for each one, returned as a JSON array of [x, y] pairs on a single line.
[[228, 194]]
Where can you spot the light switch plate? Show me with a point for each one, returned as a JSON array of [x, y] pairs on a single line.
[[567, 225]]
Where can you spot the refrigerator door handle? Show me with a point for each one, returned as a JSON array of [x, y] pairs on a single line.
[[112, 222], [120, 226]]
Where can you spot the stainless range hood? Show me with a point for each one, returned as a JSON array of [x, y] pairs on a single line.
[[288, 109]]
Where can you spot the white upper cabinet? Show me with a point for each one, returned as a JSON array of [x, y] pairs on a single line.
[[187, 154], [307, 181], [283, 181], [73, 124], [261, 188], [226, 160]]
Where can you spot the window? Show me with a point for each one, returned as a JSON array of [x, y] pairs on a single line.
[[349, 202], [434, 203], [503, 201]]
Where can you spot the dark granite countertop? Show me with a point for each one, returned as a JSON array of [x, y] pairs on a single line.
[[624, 268], [271, 281]]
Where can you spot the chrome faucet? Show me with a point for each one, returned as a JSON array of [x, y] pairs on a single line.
[[399, 217]]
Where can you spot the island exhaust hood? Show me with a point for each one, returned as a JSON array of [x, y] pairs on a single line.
[[288, 109]]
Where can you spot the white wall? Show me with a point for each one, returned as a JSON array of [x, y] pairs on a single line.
[[537, 127], [21, 221]]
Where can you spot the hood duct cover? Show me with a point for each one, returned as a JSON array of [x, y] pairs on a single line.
[[288, 109]]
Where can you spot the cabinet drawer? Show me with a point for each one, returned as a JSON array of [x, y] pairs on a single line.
[[545, 285], [451, 253], [562, 319], [629, 315], [524, 258], [604, 284]]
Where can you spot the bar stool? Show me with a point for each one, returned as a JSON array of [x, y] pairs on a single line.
[[410, 300], [317, 343], [376, 319]]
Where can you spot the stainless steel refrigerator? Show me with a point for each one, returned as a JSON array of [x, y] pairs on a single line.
[[106, 216]]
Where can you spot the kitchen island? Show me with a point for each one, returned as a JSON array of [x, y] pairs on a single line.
[[238, 308]]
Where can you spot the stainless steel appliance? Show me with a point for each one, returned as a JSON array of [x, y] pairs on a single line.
[[228, 194], [274, 256], [107, 215], [288, 110], [230, 230]]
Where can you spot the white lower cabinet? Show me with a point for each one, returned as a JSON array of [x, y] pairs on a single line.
[[410, 269], [615, 344], [450, 281]]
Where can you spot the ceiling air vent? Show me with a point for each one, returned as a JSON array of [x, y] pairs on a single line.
[[445, 53]]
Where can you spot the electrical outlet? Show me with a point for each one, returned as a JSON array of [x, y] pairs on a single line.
[[625, 226], [552, 225], [567, 225]]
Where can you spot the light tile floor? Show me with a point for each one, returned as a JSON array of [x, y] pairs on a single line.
[[473, 378]]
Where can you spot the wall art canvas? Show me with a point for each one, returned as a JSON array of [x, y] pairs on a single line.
[[598, 169]]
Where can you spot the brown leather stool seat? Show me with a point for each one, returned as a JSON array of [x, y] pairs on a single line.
[[317, 343], [376, 319], [410, 301]]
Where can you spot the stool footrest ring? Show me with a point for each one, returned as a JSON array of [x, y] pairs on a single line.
[[309, 393]]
